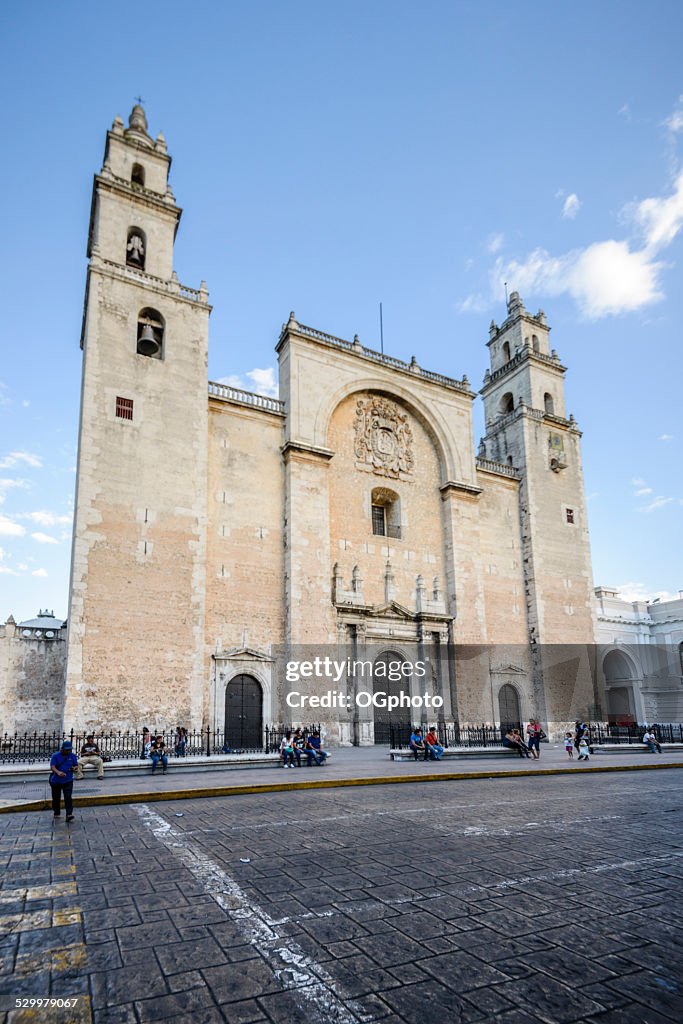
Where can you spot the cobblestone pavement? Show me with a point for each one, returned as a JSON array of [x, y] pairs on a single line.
[[484, 900]]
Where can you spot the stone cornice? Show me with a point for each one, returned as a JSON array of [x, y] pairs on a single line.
[[303, 449], [354, 348], [525, 355], [499, 424], [457, 486]]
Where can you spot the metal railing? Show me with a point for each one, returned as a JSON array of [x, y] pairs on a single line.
[[31, 747], [604, 732], [450, 735]]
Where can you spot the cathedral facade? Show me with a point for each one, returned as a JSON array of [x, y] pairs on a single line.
[[214, 527]]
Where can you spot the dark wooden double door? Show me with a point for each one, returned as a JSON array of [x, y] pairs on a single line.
[[244, 714]]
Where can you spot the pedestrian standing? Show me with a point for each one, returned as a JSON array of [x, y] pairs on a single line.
[[580, 730], [569, 745], [534, 735], [63, 764], [584, 749]]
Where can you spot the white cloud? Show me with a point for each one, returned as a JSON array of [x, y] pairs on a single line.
[[659, 502], [15, 457], [22, 565], [666, 437], [495, 242], [44, 518], [39, 572], [44, 538], [572, 205], [6, 571], [625, 112], [2, 554], [640, 592], [675, 121], [604, 279], [660, 217], [260, 381], [473, 304], [638, 482], [8, 528], [643, 491]]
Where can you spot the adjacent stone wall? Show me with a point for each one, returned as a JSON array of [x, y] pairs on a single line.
[[31, 681]]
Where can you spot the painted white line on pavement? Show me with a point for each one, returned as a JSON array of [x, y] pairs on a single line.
[[619, 865], [308, 981]]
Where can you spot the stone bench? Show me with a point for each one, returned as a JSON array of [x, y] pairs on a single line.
[[631, 748], [455, 752], [136, 766]]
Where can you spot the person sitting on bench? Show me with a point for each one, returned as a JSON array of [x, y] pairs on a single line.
[[434, 748], [651, 742], [314, 749], [417, 744], [514, 741]]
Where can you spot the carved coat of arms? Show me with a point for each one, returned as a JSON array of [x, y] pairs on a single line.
[[384, 437]]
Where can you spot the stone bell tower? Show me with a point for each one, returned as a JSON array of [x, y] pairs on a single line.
[[136, 615], [527, 428]]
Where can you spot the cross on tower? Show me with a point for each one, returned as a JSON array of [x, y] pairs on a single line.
[[138, 99]]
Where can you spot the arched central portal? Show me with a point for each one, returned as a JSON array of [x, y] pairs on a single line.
[[388, 664], [244, 713], [508, 704], [619, 684]]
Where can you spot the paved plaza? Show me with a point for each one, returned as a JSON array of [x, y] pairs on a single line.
[[500, 899]]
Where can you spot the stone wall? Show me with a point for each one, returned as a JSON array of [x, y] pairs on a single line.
[[31, 681]]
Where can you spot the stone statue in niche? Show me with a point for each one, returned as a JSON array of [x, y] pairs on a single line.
[[384, 437]]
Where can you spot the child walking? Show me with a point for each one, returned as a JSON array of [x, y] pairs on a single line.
[[584, 749], [569, 745]]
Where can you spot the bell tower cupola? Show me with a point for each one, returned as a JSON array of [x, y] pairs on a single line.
[[134, 216]]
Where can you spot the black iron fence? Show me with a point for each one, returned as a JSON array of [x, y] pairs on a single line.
[[453, 735], [29, 747], [604, 732]]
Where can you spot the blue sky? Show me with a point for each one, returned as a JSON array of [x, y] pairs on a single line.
[[332, 156]]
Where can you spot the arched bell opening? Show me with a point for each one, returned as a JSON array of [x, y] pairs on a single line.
[[150, 334], [507, 402], [136, 248], [137, 175]]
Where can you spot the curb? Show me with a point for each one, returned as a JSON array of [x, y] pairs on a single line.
[[282, 787]]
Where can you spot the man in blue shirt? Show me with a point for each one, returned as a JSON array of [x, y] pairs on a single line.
[[314, 749], [417, 744], [63, 764]]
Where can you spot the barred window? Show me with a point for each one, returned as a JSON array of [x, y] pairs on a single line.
[[570, 515], [379, 520], [124, 408]]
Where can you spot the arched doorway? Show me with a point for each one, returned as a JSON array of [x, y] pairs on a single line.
[[384, 719], [244, 713], [508, 706], [619, 679]]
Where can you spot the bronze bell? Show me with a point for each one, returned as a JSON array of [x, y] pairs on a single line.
[[147, 343]]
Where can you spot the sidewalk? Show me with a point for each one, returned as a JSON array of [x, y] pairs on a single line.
[[347, 767]]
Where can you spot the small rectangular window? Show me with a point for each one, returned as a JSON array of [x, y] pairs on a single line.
[[570, 515], [379, 521], [124, 408]]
